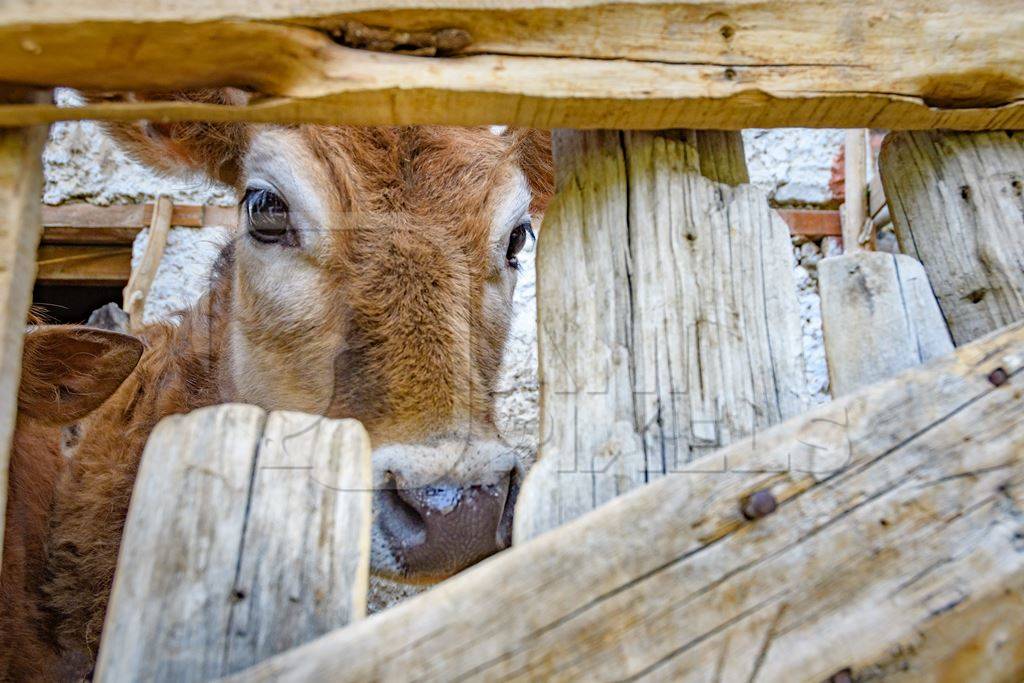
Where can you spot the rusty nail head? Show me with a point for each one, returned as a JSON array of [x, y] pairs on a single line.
[[759, 504], [998, 377]]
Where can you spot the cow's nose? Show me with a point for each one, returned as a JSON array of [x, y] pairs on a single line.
[[443, 528]]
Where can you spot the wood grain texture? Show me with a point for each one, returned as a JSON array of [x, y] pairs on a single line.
[[137, 289], [668, 320], [855, 211], [895, 552], [21, 182], [83, 265], [879, 318], [305, 567], [543, 63], [247, 535], [957, 205]]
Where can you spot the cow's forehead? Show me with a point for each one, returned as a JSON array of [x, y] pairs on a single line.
[[428, 168]]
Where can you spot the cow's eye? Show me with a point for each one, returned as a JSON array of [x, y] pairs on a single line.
[[267, 217], [516, 242]]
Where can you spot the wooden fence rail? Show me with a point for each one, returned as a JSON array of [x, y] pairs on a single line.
[[542, 63], [248, 534], [881, 535]]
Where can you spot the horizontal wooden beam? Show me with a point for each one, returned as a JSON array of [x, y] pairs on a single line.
[[83, 265], [544, 63], [86, 224], [81, 223], [878, 534], [812, 223]]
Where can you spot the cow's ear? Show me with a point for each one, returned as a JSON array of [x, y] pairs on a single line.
[[533, 150], [70, 370], [186, 148]]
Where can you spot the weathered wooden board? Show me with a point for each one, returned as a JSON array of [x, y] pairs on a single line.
[[21, 180], [957, 204], [855, 193], [247, 535], [137, 289], [895, 551], [82, 224], [83, 265], [545, 63], [305, 566], [668, 320], [879, 318]]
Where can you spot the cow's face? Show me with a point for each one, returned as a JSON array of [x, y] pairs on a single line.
[[371, 277]]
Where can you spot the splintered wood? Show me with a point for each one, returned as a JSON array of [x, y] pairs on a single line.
[[247, 535], [895, 552], [957, 204], [540, 63], [668, 320]]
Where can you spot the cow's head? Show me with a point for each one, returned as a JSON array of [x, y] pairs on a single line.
[[372, 277]]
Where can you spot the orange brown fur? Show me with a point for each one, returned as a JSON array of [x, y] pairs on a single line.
[[395, 334], [57, 388]]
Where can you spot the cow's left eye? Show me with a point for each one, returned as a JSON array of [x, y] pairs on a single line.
[[516, 242], [267, 218]]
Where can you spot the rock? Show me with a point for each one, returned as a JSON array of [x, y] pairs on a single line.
[[830, 246], [809, 255], [109, 317]]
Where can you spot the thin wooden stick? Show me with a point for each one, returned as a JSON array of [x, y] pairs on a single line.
[[855, 209], [141, 280]]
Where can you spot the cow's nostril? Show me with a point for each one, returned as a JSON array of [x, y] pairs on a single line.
[[440, 529], [429, 500], [400, 520]]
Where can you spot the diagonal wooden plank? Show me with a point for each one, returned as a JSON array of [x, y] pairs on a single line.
[[895, 550]]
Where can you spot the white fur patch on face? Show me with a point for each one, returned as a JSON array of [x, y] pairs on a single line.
[[281, 303], [498, 130]]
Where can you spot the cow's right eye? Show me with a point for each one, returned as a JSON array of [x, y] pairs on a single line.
[[267, 218]]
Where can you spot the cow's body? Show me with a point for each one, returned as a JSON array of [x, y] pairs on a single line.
[[67, 371]]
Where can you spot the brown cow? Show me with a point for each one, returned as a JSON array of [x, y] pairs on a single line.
[[67, 372], [371, 277]]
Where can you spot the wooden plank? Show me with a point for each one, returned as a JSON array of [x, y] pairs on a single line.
[[721, 155], [876, 195], [84, 265], [305, 564], [271, 550], [82, 224], [879, 317], [85, 224], [668, 320], [812, 223], [21, 180], [894, 552], [80, 215], [137, 289], [855, 193], [543, 63], [957, 205]]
